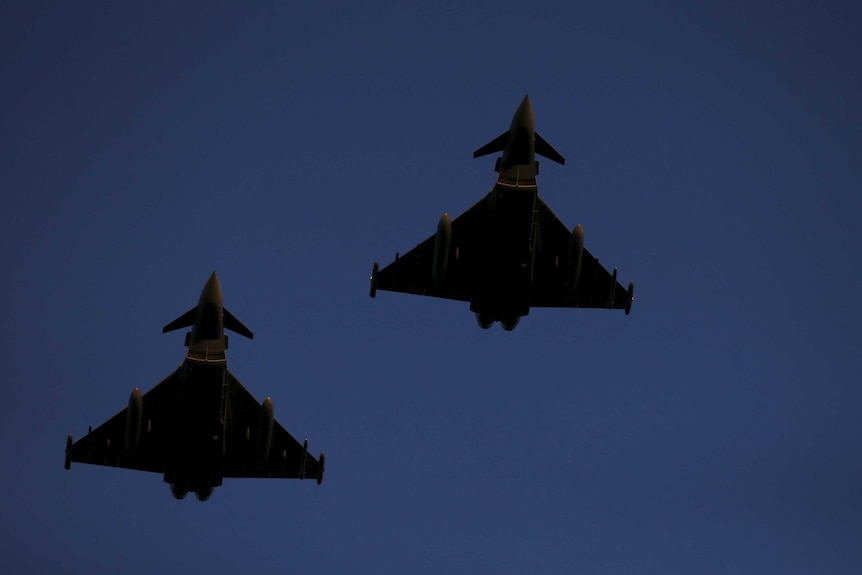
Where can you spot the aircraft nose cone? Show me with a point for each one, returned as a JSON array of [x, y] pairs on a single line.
[[212, 291], [524, 115]]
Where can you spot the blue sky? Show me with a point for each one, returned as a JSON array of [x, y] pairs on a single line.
[[713, 155]]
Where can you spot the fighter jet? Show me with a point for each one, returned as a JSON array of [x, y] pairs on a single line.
[[200, 424], [509, 251]]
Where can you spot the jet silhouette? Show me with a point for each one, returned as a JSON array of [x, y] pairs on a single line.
[[509, 251], [200, 424]]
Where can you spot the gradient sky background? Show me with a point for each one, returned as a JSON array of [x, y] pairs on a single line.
[[714, 156]]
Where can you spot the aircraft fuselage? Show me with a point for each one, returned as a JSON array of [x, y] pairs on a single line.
[[504, 275], [194, 460]]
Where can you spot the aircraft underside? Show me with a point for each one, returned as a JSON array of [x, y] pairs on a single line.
[[508, 252], [508, 321], [202, 488], [200, 424]]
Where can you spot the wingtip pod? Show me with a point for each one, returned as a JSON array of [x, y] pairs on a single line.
[[321, 468], [375, 271], [68, 462], [631, 297]]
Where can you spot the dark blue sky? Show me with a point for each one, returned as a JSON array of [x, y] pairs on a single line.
[[713, 155]]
